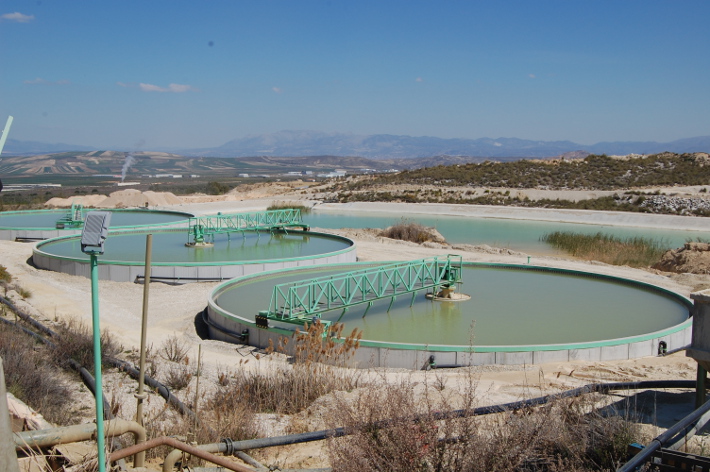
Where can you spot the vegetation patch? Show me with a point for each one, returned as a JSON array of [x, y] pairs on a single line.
[[411, 231], [396, 428], [31, 377], [633, 252], [289, 206], [597, 172], [316, 371]]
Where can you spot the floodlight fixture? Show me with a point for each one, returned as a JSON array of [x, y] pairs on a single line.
[[95, 232]]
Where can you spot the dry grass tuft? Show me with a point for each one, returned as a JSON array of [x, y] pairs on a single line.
[[174, 349], [633, 252], [283, 388], [76, 342], [30, 376], [409, 231], [565, 435]]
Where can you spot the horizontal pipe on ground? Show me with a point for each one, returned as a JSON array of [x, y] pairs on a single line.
[[223, 447], [485, 410], [82, 432]]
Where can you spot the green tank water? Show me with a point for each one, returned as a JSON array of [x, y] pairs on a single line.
[[509, 306]]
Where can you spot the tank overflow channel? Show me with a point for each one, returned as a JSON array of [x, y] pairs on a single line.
[[306, 300], [202, 229]]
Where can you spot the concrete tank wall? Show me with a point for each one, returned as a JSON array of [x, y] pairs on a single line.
[[185, 273], [225, 326]]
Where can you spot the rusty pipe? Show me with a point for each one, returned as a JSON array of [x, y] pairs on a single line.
[[224, 447], [195, 451], [172, 458]]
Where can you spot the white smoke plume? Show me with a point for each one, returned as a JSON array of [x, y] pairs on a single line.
[[127, 163]]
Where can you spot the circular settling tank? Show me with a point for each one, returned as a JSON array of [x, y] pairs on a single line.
[[232, 255], [515, 315], [42, 224]]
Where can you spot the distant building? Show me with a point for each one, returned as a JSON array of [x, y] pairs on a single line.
[[337, 173], [245, 176]]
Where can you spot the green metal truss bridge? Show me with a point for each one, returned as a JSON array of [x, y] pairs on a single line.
[[203, 228], [74, 217], [306, 300]]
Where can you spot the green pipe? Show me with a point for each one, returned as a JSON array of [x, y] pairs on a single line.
[[100, 439]]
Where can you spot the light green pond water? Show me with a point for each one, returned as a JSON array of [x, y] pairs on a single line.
[[169, 247], [507, 308], [47, 219], [518, 235]]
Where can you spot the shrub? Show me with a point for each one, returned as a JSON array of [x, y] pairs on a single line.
[[178, 377], [394, 428], [217, 188], [634, 252], [76, 342], [287, 388], [409, 231], [174, 349], [30, 376], [289, 206]]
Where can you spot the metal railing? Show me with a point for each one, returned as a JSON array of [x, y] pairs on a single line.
[[294, 302], [203, 228]]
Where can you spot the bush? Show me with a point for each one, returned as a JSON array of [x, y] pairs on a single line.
[[409, 231], [217, 188], [174, 349], [289, 206], [634, 252], [396, 429], [291, 388], [30, 376], [76, 342]]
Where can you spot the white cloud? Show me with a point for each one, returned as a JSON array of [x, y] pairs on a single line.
[[172, 88], [35, 81], [18, 17], [277, 89], [177, 88]]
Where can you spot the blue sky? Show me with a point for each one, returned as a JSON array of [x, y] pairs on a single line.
[[188, 74]]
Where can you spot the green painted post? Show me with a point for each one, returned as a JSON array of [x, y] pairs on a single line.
[[100, 439]]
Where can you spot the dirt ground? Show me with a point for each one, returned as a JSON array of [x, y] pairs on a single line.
[[172, 312]]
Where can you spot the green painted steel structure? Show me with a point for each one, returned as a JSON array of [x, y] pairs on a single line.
[[74, 218], [203, 228], [300, 301]]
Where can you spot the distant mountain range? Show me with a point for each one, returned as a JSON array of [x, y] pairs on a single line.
[[385, 146]]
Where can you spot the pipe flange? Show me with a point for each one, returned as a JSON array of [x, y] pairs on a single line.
[[229, 446]]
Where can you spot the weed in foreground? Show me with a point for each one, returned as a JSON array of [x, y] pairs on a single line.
[[30, 376], [174, 349], [565, 435], [76, 342], [283, 388]]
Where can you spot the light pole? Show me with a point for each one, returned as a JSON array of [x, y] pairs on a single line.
[[92, 243]]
